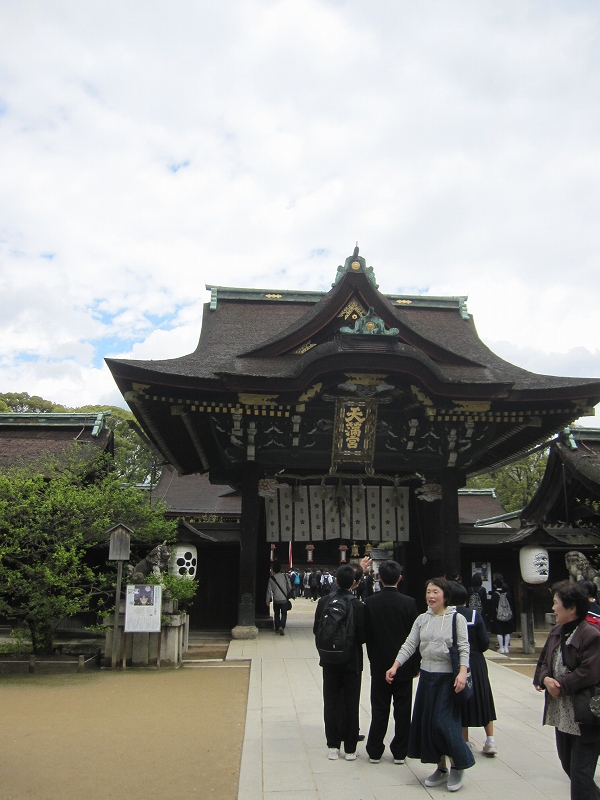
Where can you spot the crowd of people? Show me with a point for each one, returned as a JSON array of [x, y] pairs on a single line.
[[444, 647]]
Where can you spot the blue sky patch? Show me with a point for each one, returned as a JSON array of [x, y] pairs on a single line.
[[176, 167]]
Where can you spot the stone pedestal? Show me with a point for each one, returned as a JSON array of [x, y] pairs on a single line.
[[142, 649], [244, 632]]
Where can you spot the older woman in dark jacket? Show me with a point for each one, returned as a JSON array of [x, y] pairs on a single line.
[[569, 662]]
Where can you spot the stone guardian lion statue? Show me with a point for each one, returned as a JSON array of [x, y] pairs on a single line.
[[580, 569]]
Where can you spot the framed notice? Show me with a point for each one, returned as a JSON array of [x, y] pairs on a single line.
[[485, 570], [143, 606]]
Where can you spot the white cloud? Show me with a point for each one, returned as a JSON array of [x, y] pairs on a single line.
[[457, 141]]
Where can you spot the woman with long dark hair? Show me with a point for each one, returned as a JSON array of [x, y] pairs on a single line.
[[479, 711], [570, 662]]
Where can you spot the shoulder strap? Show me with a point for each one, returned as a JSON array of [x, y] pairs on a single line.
[[454, 641]]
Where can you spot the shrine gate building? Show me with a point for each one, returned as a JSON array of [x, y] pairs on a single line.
[[345, 419]]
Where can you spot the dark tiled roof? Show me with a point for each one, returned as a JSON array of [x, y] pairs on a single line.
[[575, 458], [441, 338], [27, 438], [194, 494], [472, 508]]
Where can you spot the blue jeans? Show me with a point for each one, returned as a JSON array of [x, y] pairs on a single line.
[[578, 759], [280, 615]]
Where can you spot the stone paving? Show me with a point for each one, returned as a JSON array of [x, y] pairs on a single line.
[[285, 755]]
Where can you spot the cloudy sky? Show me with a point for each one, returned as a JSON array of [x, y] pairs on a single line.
[[149, 148]]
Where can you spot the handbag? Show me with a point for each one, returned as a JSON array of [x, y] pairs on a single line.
[[586, 705], [467, 692]]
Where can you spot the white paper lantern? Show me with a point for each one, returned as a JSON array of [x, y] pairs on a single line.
[[534, 563], [184, 561]]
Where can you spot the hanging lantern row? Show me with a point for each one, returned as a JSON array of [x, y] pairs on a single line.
[[310, 548]]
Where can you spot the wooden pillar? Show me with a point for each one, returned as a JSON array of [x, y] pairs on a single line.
[[434, 532], [246, 623], [449, 525]]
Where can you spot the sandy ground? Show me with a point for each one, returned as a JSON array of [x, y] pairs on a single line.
[[134, 734]]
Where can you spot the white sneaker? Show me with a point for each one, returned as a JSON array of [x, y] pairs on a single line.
[[351, 756], [455, 781], [333, 753], [399, 761], [489, 748], [374, 761], [437, 778]]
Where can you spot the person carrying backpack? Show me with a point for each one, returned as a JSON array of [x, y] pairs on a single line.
[[478, 596], [502, 614], [339, 630]]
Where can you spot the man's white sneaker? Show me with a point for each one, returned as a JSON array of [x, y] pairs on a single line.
[[374, 761], [455, 781], [399, 761], [489, 748], [437, 778], [351, 756], [333, 753]]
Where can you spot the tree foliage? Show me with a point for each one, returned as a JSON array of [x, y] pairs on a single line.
[[53, 516], [516, 483], [134, 461]]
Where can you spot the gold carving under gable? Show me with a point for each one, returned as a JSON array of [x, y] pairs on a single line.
[[352, 310], [258, 399], [304, 348], [273, 296], [404, 302], [421, 396], [313, 391], [472, 405], [365, 378]]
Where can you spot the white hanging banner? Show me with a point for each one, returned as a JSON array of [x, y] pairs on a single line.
[[372, 514]]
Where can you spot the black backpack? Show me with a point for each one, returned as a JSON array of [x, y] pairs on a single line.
[[335, 633]]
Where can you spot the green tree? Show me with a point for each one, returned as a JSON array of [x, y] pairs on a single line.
[[134, 460], [53, 516], [516, 483], [24, 403]]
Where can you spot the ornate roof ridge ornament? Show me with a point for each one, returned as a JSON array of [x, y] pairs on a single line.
[[355, 263], [370, 323]]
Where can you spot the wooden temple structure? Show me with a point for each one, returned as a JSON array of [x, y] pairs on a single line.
[[344, 418]]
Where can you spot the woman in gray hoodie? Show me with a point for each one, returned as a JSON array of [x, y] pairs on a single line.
[[435, 730]]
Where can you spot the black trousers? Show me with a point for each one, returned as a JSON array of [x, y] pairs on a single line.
[[341, 699], [382, 694], [578, 759]]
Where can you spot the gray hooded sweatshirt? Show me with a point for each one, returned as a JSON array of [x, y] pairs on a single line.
[[432, 635]]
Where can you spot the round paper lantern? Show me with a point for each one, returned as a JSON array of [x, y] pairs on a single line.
[[534, 563], [184, 561]]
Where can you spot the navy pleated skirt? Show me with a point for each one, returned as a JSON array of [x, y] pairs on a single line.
[[480, 709], [435, 729]]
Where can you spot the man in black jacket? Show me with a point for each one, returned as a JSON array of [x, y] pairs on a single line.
[[389, 618], [341, 682]]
